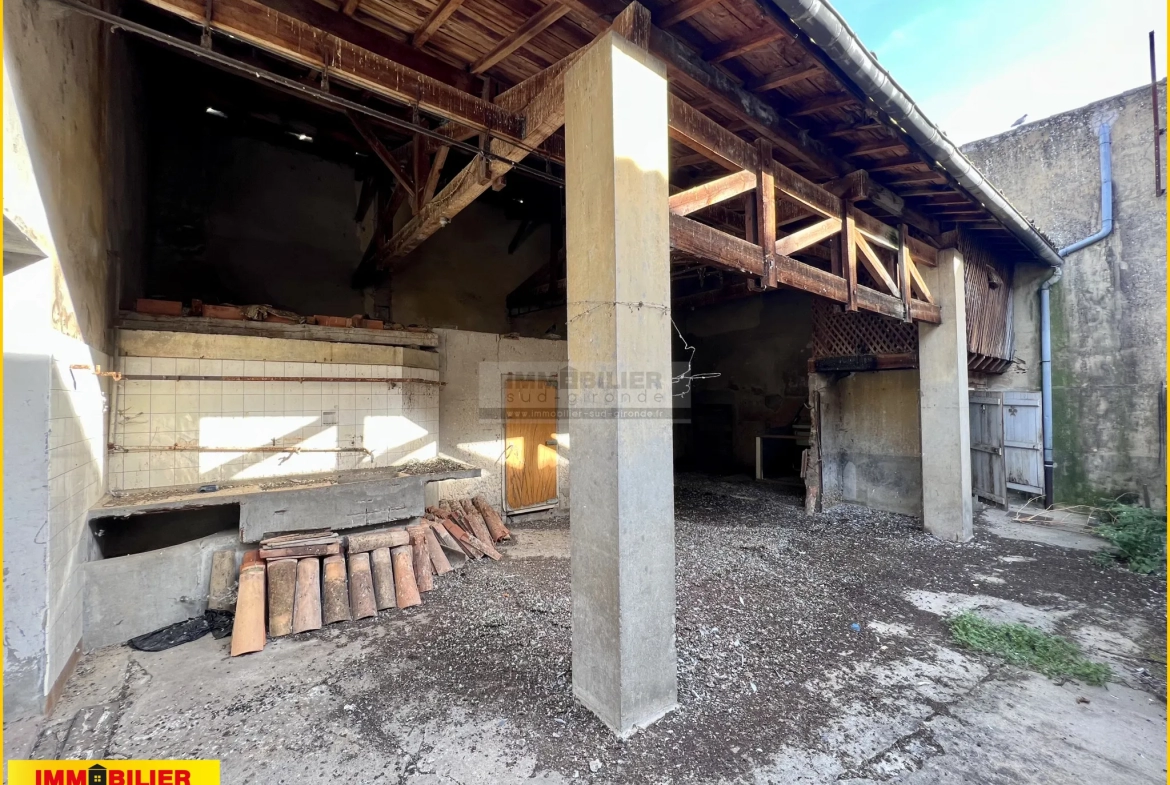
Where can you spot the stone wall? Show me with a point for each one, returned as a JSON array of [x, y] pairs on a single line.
[[1109, 311]]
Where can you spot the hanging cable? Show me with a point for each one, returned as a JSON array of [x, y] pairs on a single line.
[[259, 74]]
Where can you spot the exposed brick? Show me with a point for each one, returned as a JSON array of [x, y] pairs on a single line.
[[159, 307], [223, 312]]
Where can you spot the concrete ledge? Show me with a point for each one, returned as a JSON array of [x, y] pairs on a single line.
[[339, 501], [133, 595]]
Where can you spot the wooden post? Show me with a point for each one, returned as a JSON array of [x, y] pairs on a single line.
[[383, 578], [405, 587], [361, 587], [307, 605], [336, 590], [248, 634], [904, 269], [766, 210], [849, 254], [282, 581], [421, 558]]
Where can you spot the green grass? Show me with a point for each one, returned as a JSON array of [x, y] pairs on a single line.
[[1028, 647], [1138, 537]]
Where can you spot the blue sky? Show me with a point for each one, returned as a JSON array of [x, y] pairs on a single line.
[[975, 66]]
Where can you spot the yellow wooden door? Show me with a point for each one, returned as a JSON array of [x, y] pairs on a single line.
[[530, 474]]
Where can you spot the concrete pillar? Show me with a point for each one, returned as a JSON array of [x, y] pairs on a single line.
[[622, 526], [942, 403]]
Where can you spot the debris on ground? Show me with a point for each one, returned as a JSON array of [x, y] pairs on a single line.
[[297, 582]]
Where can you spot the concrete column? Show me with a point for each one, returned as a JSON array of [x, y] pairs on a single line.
[[622, 526], [942, 403]]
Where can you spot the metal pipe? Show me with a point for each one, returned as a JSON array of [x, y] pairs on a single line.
[[1158, 189], [1105, 148], [821, 23], [260, 75]]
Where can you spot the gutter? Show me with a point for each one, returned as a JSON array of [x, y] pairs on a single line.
[[1105, 145], [821, 23]]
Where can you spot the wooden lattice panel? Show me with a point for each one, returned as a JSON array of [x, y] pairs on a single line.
[[839, 333]]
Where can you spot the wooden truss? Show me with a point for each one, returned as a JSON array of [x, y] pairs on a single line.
[[522, 118], [859, 237]]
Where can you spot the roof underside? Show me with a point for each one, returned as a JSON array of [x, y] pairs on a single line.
[[750, 41]]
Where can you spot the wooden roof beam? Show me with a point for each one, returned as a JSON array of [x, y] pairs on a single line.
[[301, 42], [531, 28], [743, 44], [682, 10], [822, 103], [360, 34], [540, 100], [877, 146], [783, 76], [434, 21], [699, 76]]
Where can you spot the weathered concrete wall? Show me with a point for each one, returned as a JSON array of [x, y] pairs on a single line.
[[759, 346], [237, 219], [472, 369], [133, 595], [69, 153], [459, 278], [1109, 312], [870, 440]]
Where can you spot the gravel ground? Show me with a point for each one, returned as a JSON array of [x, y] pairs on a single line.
[[810, 649], [767, 600]]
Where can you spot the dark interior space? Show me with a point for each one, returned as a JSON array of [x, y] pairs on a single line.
[[257, 194], [758, 346], [148, 531]]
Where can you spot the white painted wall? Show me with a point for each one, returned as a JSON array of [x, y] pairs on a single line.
[[472, 370]]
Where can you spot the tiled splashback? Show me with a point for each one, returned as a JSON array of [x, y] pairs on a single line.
[[172, 431]]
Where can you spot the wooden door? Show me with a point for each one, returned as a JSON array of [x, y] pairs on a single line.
[[1023, 441], [530, 470], [988, 480]]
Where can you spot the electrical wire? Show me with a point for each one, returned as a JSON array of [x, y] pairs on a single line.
[[293, 85]]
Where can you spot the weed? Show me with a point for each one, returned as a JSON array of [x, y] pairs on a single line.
[[1027, 647], [1138, 537]]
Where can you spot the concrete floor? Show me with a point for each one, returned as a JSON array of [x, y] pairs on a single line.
[[472, 687]]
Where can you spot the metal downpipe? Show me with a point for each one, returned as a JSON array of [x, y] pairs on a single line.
[[1105, 147]]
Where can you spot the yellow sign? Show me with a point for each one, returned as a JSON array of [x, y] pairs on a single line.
[[113, 772]]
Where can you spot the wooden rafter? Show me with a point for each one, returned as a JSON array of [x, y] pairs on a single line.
[[385, 156], [531, 28], [295, 40], [743, 44], [349, 7], [682, 10], [877, 146], [361, 34], [783, 76], [434, 21], [822, 103], [712, 84], [543, 110]]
